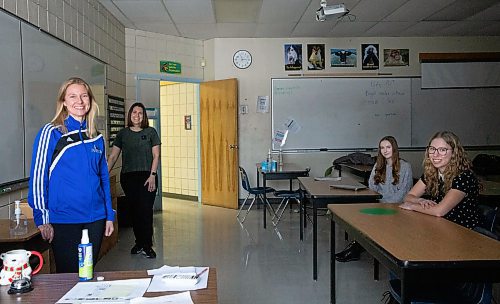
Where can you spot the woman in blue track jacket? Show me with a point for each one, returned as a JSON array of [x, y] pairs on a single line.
[[69, 182]]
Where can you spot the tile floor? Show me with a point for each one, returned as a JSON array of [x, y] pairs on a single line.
[[254, 265]]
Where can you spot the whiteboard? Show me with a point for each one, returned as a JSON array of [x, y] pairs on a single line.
[[354, 113], [33, 65], [471, 113], [47, 63], [11, 121], [341, 113]]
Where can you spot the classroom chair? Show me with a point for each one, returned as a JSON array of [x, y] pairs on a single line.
[[257, 192], [481, 290], [286, 196]]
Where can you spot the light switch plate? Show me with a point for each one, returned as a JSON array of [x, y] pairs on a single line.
[[243, 109]]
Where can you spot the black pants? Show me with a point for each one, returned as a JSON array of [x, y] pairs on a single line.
[[141, 203], [66, 240]]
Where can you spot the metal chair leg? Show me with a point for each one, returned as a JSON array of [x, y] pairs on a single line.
[[279, 207], [243, 204], [248, 210], [280, 214]]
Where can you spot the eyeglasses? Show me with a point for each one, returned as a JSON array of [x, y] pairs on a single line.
[[440, 150]]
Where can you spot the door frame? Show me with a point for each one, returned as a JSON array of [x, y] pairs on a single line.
[[161, 77]]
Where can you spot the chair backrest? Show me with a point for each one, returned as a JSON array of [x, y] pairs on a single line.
[[244, 179], [489, 216]]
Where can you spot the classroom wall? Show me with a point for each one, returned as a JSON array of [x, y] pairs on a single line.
[[268, 62], [84, 24]]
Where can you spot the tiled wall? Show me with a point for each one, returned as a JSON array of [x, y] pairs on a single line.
[[85, 24], [179, 150], [145, 50]]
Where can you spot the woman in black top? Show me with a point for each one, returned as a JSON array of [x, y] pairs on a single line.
[[141, 155]]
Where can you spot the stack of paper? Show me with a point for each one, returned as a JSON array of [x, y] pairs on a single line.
[[177, 278]]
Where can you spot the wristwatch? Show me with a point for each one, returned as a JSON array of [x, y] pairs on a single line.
[[153, 173]]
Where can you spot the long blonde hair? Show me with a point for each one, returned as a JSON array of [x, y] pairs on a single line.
[[62, 112], [459, 163], [382, 162]]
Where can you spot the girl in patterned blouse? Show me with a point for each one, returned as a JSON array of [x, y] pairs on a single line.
[[448, 181]]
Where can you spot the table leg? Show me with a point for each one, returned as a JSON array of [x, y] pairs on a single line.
[[301, 217], [375, 269], [315, 242], [265, 200], [404, 291], [258, 184], [332, 262]]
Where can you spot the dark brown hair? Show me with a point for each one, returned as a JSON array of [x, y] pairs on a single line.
[[145, 120], [382, 162]]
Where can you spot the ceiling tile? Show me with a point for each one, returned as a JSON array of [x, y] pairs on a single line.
[[236, 11], [146, 10], [282, 11], [192, 11], [416, 10], [388, 29], [461, 9]]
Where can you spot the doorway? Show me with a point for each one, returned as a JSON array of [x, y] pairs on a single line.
[[173, 101]]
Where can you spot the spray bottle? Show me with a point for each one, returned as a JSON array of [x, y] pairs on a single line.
[[85, 260]]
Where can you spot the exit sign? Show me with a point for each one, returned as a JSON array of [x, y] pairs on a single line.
[[170, 67]]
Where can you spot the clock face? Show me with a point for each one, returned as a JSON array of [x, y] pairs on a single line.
[[242, 59]]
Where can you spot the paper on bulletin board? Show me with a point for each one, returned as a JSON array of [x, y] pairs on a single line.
[[292, 125], [263, 104]]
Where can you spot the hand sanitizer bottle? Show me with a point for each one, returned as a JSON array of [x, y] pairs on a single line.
[[85, 260], [18, 221]]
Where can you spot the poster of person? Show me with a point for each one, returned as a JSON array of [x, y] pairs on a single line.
[[316, 56], [343, 57], [370, 55], [396, 57], [293, 57]]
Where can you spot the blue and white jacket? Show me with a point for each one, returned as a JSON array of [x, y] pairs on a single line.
[[69, 180]]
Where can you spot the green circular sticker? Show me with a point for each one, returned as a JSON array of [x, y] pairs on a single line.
[[378, 211]]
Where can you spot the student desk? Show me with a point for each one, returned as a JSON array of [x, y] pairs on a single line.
[[49, 288], [358, 170], [320, 194], [287, 171], [418, 248]]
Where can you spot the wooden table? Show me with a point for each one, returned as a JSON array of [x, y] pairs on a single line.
[[418, 248], [49, 288], [363, 171], [320, 194], [32, 240], [287, 171]]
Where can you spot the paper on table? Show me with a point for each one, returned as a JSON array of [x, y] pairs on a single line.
[[328, 178], [178, 298], [119, 291], [158, 284]]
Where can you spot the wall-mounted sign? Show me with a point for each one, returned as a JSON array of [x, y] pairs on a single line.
[[116, 117], [170, 67], [187, 122]]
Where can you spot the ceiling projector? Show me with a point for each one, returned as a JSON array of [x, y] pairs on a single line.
[[326, 10]]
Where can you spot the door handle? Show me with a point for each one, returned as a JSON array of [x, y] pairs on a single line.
[[233, 146]]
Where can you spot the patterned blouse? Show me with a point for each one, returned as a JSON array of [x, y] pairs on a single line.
[[466, 212]]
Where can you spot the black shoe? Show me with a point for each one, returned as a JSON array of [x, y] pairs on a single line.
[[149, 253], [351, 246], [136, 249], [351, 253]]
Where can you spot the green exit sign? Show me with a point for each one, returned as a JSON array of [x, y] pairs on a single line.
[[170, 67]]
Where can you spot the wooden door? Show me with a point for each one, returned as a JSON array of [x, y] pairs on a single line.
[[219, 140]]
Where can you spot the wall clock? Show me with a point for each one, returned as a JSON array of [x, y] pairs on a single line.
[[242, 59]]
